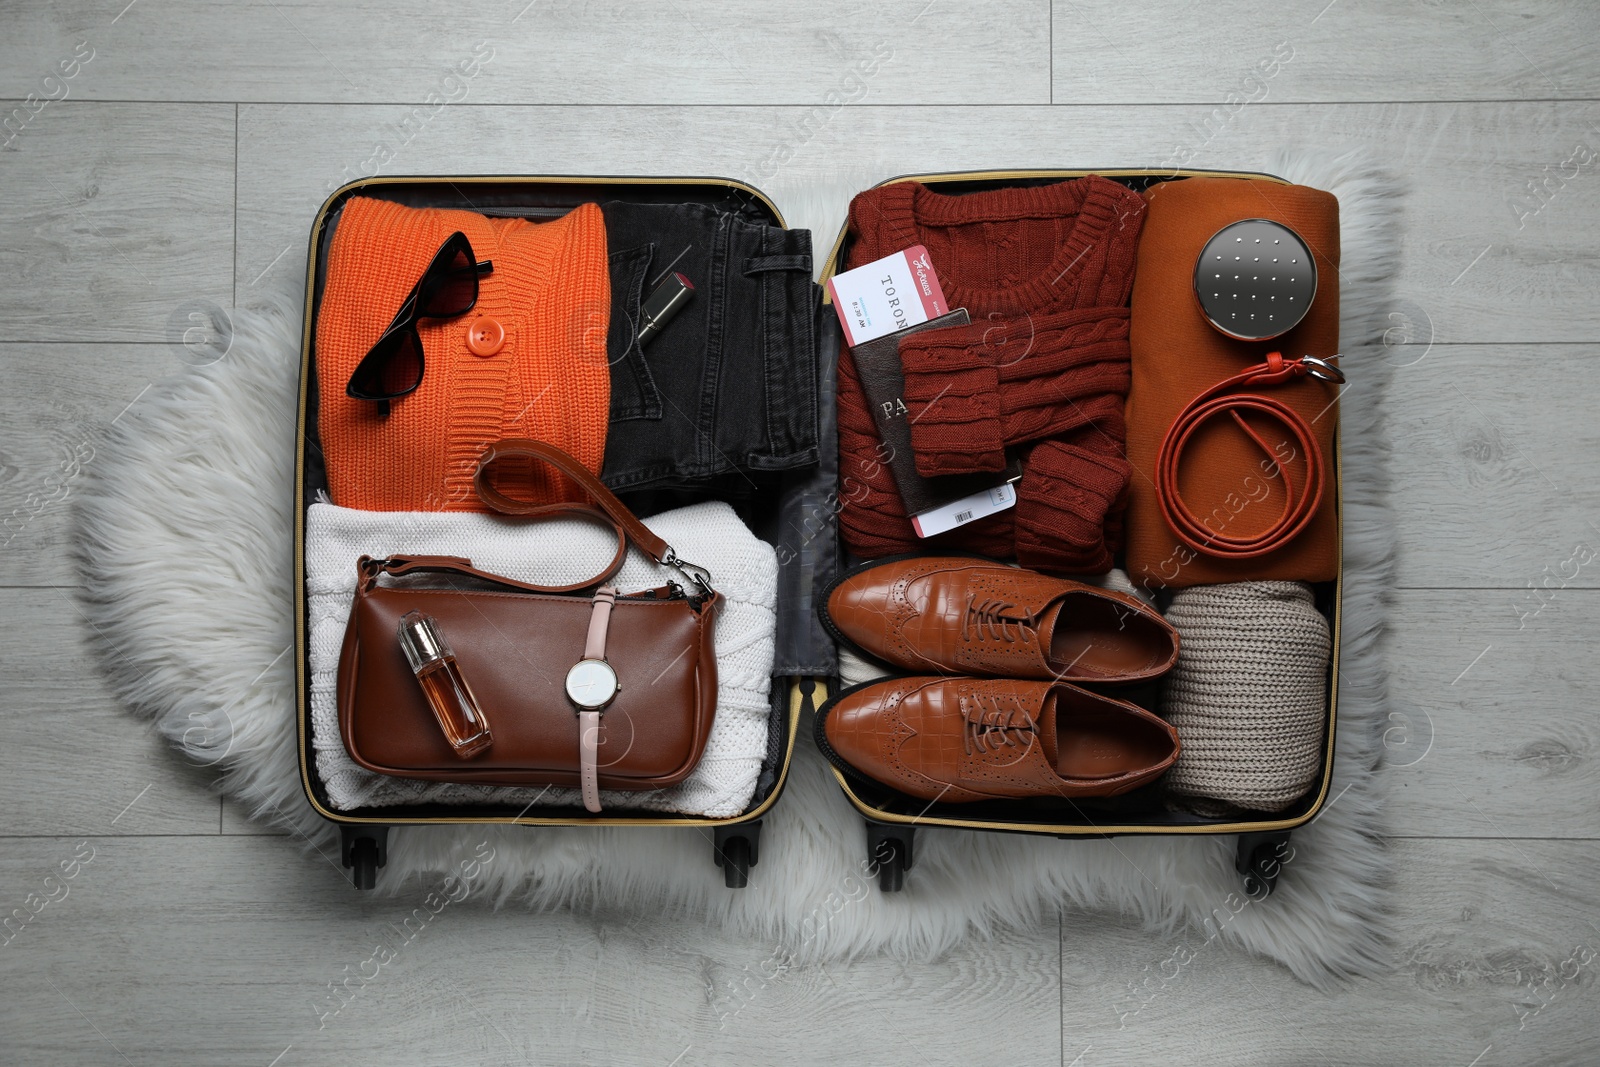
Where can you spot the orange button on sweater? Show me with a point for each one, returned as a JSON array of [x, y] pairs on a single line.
[[548, 380]]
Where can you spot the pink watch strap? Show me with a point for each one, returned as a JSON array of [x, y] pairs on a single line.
[[589, 754], [589, 721], [595, 647]]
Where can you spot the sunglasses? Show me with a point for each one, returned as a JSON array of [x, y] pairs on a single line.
[[392, 367]]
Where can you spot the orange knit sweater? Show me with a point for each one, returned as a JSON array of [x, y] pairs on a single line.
[[549, 380]]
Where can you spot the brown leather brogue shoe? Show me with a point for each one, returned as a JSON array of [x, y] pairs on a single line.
[[963, 615], [959, 740]]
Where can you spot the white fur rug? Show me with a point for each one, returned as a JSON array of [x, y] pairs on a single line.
[[186, 550]]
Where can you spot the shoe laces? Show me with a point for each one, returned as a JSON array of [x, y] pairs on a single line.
[[995, 722], [988, 618]]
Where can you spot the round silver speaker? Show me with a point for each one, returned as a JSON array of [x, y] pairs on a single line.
[[1255, 280]]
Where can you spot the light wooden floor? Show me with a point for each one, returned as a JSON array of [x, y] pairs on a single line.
[[183, 165]]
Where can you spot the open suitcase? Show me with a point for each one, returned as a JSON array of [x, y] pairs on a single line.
[[791, 514], [1263, 846], [798, 519]]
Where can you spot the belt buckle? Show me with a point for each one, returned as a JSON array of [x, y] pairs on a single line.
[[1322, 370]]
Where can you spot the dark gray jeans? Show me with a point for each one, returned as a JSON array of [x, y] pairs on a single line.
[[725, 396]]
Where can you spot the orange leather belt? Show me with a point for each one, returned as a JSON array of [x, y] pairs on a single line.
[[1222, 399]]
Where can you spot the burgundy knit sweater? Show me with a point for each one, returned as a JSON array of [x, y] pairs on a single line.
[[1045, 274]]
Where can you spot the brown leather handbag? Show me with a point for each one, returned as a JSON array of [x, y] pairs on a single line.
[[581, 686]]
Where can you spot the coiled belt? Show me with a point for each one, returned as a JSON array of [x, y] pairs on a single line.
[[1221, 399]]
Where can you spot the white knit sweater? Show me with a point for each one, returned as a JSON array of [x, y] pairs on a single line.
[[744, 569]]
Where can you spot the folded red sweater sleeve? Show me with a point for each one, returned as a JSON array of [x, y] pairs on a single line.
[[872, 517], [973, 390]]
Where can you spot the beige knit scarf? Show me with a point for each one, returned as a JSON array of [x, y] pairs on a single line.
[[1249, 696]]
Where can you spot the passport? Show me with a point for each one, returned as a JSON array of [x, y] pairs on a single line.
[[934, 504]]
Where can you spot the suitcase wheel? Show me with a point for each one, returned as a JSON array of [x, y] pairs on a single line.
[[736, 849], [1259, 860], [889, 850], [364, 849], [736, 863]]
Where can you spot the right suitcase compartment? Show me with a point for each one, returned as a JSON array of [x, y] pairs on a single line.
[[892, 817]]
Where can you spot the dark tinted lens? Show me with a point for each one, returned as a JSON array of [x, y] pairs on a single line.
[[393, 368], [451, 287]]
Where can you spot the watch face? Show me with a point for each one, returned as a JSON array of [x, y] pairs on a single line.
[[591, 683]]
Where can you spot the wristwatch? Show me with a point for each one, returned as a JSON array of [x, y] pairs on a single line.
[[591, 685]]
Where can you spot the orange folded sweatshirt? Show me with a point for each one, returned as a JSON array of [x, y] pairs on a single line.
[[550, 296], [1177, 354]]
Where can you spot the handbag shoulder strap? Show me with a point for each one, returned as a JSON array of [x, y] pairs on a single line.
[[628, 526], [368, 570], [566, 464]]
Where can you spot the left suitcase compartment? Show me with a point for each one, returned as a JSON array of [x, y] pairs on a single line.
[[777, 500]]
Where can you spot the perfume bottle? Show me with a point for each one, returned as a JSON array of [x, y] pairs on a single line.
[[448, 694]]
